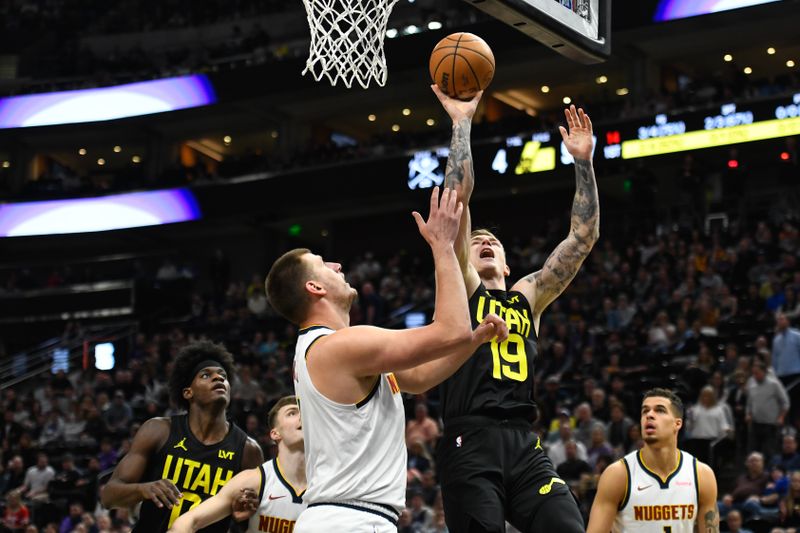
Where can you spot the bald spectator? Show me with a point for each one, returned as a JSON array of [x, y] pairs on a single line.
[[572, 468], [422, 427], [767, 405], [584, 424], [749, 486], [788, 460], [734, 521], [558, 450]]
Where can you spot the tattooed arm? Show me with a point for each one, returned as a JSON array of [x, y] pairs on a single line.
[[544, 286], [460, 175], [707, 520]]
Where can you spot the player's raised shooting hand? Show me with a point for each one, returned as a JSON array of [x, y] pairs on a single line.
[[457, 109], [245, 505], [444, 218], [578, 139], [492, 326]]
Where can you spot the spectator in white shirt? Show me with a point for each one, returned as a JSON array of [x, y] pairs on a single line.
[[708, 419]]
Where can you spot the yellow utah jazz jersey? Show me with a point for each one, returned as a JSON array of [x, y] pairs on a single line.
[[497, 380], [198, 470], [658, 505], [280, 503]]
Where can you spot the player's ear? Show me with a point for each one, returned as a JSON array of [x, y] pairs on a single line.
[[274, 435], [187, 393], [315, 288], [679, 423], [507, 271]]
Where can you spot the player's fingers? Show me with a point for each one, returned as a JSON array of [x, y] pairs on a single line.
[[459, 210], [477, 96], [438, 92], [434, 199], [420, 222], [445, 202], [569, 118], [161, 497], [564, 134], [453, 203], [173, 491], [588, 123]]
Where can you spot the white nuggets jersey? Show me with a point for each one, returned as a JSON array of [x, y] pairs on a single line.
[[280, 504], [655, 505], [354, 452]]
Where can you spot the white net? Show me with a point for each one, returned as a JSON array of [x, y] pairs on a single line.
[[347, 40]]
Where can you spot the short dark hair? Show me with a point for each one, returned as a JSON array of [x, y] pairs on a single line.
[[272, 417], [285, 285], [677, 403], [188, 358]]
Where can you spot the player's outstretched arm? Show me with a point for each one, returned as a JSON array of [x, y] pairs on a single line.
[[424, 377], [220, 505], [368, 351], [460, 175], [611, 491], [544, 286], [124, 488], [707, 520]]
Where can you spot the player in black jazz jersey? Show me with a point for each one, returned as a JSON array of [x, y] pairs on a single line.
[[176, 463], [491, 465]]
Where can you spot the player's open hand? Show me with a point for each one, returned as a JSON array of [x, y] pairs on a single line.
[[245, 505], [457, 109], [162, 492], [491, 327], [578, 139], [443, 220]]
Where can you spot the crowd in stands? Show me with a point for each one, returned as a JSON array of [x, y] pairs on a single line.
[[708, 316]]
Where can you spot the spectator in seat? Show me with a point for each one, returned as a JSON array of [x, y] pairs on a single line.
[[749, 486], [14, 475], [734, 520], [37, 478], [73, 519], [788, 460], [707, 419], [16, 515], [599, 445], [790, 506], [572, 468], [557, 451], [422, 427], [119, 415]]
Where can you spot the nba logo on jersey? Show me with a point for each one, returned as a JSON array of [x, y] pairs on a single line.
[[458, 441]]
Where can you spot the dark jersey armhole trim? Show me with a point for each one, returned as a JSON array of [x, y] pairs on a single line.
[[312, 342], [627, 485], [169, 439], [310, 328], [369, 396], [262, 483], [696, 482]]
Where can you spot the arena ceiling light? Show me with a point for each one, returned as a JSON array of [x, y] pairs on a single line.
[[106, 103], [119, 211]]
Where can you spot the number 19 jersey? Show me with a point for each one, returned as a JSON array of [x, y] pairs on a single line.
[[497, 381]]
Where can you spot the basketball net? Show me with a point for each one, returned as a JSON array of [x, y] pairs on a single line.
[[347, 40]]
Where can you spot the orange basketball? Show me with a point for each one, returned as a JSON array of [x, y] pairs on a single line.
[[461, 65]]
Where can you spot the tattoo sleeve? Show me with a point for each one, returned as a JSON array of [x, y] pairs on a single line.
[[459, 172], [711, 522], [562, 265]]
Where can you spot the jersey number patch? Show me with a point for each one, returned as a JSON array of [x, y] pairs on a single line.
[[178, 510], [509, 359]]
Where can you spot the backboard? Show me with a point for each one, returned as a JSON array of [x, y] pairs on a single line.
[[578, 29]]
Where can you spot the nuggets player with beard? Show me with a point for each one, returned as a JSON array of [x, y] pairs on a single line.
[[348, 378], [658, 488], [176, 463]]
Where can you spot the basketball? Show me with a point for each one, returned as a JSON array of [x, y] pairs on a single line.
[[461, 65]]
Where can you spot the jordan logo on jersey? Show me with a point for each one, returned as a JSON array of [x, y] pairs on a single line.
[[181, 445]]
